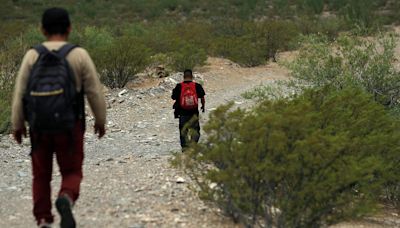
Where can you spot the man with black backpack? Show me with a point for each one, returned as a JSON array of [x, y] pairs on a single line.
[[49, 95], [186, 95]]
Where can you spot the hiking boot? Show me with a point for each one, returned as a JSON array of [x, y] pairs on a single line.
[[44, 224], [64, 208]]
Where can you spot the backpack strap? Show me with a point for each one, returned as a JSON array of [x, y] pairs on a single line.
[[41, 49], [66, 49]]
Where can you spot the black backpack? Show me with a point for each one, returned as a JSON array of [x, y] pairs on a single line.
[[51, 102]]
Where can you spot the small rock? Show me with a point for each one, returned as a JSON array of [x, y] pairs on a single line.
[[12, 188], [137, 226], [180, 180], [22, 174], [110, 159], [213, 185], [122, 93], [19, 161]]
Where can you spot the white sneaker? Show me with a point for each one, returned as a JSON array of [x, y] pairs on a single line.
[[44, 224]]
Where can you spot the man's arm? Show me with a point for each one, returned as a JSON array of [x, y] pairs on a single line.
[[17, 113], [201, 93], [203, 104], [175, 95], [94, 93]]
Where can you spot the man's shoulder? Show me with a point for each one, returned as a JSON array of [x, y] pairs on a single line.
[[30, 57], [199, 85], [78, 50]]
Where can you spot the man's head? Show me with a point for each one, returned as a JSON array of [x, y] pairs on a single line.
[[188, 75], [56, 22]]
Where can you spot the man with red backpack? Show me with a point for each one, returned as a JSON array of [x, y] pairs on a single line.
[[186, 95], [49, 94]]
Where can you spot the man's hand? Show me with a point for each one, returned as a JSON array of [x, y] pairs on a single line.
[[100, 130], [17, 134], [203, 109]]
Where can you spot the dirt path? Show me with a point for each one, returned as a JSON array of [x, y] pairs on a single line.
[[128, 180]]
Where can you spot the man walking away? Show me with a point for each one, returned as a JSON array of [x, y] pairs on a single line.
[[49, 95], [186, 95]]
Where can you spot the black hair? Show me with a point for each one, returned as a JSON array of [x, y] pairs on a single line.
[[56, 21], [188, 72]]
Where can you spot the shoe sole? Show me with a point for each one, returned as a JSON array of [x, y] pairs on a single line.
[[64, 208]]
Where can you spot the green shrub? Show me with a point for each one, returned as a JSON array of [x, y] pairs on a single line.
[[242, 50], [313, 6], [187, 57], [350, 61], [198, 33], [274, 36], [360, 11], [121, 61], [251, 44], [94, 38], [329, 26], [309, 161], [160, 37], [11, 55]]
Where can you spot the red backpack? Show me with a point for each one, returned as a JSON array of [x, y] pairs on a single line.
[[189, 99]]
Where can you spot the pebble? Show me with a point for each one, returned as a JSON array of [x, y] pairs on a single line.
[[122, 93], [213, 186], [12, 188], [22, 174], [180, 180]]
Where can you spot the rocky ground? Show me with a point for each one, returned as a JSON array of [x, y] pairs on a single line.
[[128, 179]]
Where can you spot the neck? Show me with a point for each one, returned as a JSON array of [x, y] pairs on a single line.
[[57, 38]]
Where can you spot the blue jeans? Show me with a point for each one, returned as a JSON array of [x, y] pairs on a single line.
[[189, 129]]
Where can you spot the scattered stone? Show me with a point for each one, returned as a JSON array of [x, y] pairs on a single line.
[[122, 93], [180, 180], [12, 188], [137, 226], [174, 210], [213, 185], [22, 174]]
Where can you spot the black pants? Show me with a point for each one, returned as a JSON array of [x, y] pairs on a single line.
[[189, 128]]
